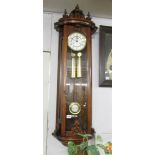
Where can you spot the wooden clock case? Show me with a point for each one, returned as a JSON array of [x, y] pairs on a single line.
[[67, 129]]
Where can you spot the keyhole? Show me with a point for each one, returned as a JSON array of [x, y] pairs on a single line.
[[76, 39]]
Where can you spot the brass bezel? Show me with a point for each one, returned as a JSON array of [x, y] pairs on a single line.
[[80, 34], [71, 105]]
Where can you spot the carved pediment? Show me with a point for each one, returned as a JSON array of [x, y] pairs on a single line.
[[77, 12]]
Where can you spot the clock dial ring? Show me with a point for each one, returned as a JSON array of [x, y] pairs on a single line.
[[77, 41], [74, 108]]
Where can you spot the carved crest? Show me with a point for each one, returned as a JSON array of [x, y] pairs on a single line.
[[76, 17], [77, 12]]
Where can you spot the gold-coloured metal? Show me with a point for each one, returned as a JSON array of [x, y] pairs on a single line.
[[74, 108], [73, 72], [79, 70]]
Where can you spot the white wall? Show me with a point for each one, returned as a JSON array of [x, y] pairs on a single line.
[[46, 82], [102, 97]]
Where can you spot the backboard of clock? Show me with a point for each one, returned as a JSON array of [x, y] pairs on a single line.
[[74, 86]]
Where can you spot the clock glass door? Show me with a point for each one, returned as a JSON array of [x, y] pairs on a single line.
[[76, 91]]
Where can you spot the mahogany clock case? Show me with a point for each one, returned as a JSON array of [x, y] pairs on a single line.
[[74, 85]]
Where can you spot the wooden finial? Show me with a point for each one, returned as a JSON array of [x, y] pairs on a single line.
[[65, 13], [77, 7], [88, 16]]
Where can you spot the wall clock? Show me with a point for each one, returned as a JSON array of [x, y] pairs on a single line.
[[74, 87]]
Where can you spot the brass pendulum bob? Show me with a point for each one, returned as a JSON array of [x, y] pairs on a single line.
[[79, 71], [73, 65]]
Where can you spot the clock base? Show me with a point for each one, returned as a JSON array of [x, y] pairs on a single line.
[[76, 139]]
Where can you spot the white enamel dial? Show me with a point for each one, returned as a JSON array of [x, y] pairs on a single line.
[[77, 41]]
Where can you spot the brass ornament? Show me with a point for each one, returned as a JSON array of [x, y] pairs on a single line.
[[74, 108]]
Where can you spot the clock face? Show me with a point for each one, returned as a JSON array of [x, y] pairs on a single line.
[[74, 108], [77, 41]]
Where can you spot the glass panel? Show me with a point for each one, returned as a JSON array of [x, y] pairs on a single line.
[[108, 56], [76, 87]]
